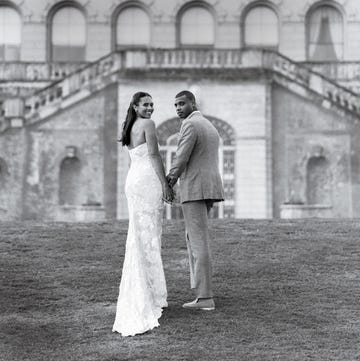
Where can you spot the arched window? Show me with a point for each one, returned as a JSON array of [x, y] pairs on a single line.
[[133, 28], [10, 34], [168, 138], [325, 37], [196, 27], [261, 27], [68, 35], [70, 181], [318, 181]]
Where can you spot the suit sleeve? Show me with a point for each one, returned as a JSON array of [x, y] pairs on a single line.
[[184, 149]]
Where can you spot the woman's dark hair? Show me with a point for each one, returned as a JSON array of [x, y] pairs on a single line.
[[131, 117]]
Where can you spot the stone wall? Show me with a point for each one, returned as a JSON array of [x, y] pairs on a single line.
[[311, 155], [110, 134], [12, 156], [85, 132]]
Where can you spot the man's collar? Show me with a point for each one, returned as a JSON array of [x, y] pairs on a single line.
[[192, 114]]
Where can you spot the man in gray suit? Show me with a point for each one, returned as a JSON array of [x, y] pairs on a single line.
[[197, 166]]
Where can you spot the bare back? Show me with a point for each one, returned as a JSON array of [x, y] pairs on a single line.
[[137, 134]]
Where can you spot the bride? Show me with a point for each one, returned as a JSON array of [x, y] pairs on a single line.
[[142, 292]]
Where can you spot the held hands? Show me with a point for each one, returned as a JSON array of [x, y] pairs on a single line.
[[168, 193], [171, 180]]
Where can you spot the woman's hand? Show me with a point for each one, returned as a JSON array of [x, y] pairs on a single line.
[[168, 193]]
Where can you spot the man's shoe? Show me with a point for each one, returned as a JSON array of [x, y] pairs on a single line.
[[205, 304]]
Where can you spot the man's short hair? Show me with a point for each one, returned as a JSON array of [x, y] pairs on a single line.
[[188, 95]]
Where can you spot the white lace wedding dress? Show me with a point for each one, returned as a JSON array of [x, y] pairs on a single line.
[[142, 293]]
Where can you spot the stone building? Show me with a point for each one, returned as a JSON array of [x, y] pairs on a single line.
[[279, 80]]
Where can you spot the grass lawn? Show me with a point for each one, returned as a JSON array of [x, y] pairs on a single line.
[[285, 290]]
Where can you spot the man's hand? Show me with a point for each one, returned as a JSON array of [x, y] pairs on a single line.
[[171, 180]]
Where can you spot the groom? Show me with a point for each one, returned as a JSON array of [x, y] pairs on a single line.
[[197, 166]]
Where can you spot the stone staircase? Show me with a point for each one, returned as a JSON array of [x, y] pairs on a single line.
[[78, 85], [345, 73]]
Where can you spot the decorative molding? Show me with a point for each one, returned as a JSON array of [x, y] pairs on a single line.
[[220, 13], [276, 4], [26, 12], [340, 4], [152, 8], [71, 151], [352, 14], [91, 13]]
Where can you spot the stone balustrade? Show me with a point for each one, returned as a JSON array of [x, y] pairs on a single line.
[[346, 73], [314, 81], [79, 80], [245, 59], [338, 71], [84, 80], [36, 71], [191, 58]]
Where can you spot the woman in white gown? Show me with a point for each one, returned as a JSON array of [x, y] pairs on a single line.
[[142, 292]]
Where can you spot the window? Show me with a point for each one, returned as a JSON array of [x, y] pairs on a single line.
[[196, 27], [228, 175], [68, 35], [10, 34], [325, 34], [132, 28], [261, 27]]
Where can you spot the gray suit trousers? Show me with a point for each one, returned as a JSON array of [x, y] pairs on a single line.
[[197, 241]]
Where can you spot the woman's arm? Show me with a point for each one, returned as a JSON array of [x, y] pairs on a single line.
[[156, 161]]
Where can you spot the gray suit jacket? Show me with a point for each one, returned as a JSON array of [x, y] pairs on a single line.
[[197, 160]]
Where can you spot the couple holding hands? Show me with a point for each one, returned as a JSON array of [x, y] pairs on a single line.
[[142, 291]]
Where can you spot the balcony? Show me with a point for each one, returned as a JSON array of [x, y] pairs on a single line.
[[169, 58]]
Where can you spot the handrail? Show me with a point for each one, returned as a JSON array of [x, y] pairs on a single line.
[[344, 71]]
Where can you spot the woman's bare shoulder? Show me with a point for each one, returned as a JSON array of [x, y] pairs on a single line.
[[149, 123]]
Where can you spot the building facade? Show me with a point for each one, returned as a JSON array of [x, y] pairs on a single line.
[[279, 80]]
